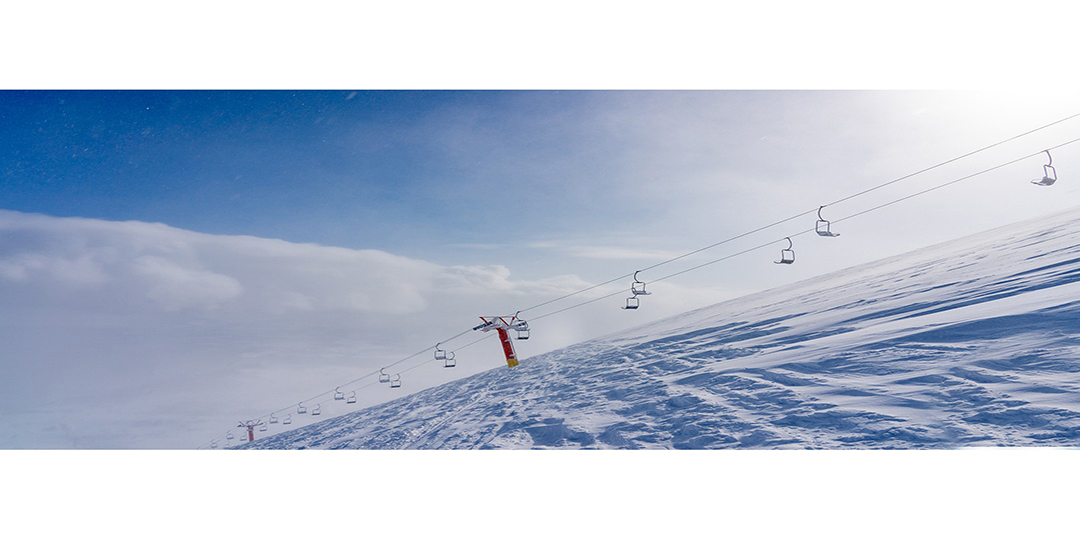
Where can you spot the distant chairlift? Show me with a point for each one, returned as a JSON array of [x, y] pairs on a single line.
[[262, 427], [522, 327], [229, 436], [287, 420], [447, 357], [351, 398], [317, 410], [396, 383], [273, 419], [1049, 173], [300, 408], [637, 288], [383, 376], [823, 226], [787, 255], [338, 394]]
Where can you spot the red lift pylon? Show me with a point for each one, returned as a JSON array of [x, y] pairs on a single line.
[[503, 324], [250, 425]]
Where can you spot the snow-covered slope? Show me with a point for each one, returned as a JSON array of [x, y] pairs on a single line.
[[971, 342]]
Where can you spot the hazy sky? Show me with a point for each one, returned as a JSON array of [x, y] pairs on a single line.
[[172, 262]]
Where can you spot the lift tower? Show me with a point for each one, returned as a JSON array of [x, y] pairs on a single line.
[[250, 425], [503, 324]]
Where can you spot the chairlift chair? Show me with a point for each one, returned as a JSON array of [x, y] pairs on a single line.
[[300, 408], [449, 361], [351, 398], [396, 383], [521, 326], [787, 255], [383, 376], [638, 287], [229, 436], [213, 444], [317, 410], [439, 353], [632, 303], [1049, 173], [273, 419], [262, 427], [287, 420], [822, 227], [338, 394]]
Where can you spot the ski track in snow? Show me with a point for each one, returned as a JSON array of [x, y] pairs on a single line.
[[974, 342]]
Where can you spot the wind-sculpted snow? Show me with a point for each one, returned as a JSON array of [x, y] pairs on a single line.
[[972, 342]]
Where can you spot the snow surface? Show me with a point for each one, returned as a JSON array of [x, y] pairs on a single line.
[[973, 342]]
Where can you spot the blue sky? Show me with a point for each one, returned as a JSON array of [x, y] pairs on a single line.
[[275, 164], [357, 169], [483, 172]]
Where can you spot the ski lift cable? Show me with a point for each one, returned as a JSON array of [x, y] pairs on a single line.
[[358, 379], [878, 207], [469, 344], [807, 231], [761, 246], [797, 216], [999, 143], [486, 336], [362, 377], [951, 182]]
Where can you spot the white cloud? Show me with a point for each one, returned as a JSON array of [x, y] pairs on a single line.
[[175, 286], [588, 251], [129, 319]]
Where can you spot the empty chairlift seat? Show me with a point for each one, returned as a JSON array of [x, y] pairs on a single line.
[[787, 255], [822, 227], [1049, 173]]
